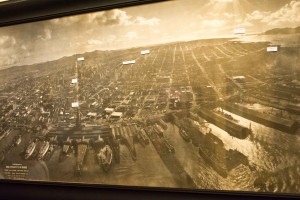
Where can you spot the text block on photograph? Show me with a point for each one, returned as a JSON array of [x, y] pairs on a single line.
[[239, 31], [145, 52], [75, 105], [74, 81], [129, 62], [272, 49]]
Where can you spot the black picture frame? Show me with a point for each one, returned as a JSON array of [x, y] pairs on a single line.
[[23, 11]]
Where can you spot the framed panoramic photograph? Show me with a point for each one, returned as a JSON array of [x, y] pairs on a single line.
[[183, 94]]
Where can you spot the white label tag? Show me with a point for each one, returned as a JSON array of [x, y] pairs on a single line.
[[74, 80], [75, 105], [145, 52], [129, 62], [239, 31], [80, 59], [272, 49]]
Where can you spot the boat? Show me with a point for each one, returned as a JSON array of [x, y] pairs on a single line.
[[43, 150], [116, 150], [53, 141], [5, 134], [18, 140], [66, 146], [117, 132], [144, 136], [184, 135], [279, 123], [82, 147], [163, 124], [231, 127], [158, 130], [170, 148], [30, 149], [140, 140], [104, 157], [51, 148]]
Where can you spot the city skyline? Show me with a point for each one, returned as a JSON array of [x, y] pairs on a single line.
[[141, 26]]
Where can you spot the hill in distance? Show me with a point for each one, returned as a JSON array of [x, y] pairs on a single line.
[[99, 53], [277, 31]]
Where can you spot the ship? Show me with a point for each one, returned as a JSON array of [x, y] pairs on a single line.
[[231, 127], [18, 140], [30, 149], [158, 130], [281, 124], [144, 137], [53, 141], [43, 150], [51, 148], [5, 133], [66, 146], [140, 140], [105, 156], [128, 141], [162, 124], [82, 147], [226, 115], [212, 150], [116, 150], [184, 135], [170, 148]]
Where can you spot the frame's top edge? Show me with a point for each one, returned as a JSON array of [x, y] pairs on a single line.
[[23, 11]]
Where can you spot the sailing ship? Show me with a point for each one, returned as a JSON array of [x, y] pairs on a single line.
[[105, 156]]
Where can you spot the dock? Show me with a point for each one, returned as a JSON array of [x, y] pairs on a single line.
[[128, 141], [231, 127], [278, 123], [182, 178]]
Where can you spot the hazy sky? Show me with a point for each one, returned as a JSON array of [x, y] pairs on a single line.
[[141, 25]]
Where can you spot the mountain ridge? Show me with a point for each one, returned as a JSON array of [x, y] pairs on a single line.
[[277, 31]]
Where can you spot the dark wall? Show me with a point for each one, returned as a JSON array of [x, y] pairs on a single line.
[[35, 191], [20, 11]]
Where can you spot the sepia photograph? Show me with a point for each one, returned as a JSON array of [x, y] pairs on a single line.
[[181, 94]]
